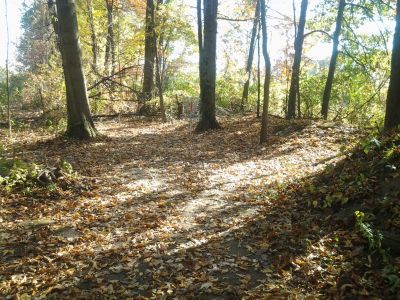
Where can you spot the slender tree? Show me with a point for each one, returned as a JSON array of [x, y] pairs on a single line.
[[80, 123], [208, 55], [392, 118], [334, 56], [267, 78], [298, 45], [110, 43], [298, 78], [258, 71], [252, 47], [159, 82], [7, 70], [93, 35]]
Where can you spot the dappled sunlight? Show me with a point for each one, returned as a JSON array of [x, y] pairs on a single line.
[[216, 208], [134, 165]]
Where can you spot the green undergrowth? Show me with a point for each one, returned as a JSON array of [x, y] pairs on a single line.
[[361, 194], [17, 175], [364, 173], [358, 199]]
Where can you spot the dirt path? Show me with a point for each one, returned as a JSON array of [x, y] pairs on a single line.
[[176, 215]]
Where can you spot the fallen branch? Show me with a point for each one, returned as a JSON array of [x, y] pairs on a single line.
[[110, 78], [112, 116]]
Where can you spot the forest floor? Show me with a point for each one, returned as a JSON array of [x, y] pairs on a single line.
[[156, 212]]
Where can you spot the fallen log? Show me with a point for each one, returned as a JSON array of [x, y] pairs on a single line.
[[113, 116]]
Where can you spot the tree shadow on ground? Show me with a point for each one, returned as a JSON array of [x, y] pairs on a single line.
[[287, 250], [236, 143], [262, 240]]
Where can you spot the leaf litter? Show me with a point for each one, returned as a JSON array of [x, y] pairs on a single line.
[[160, 213]]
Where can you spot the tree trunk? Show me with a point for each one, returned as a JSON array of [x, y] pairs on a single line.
[[258, 71], [332, 65], [298, 79], [249, 65], [149, 58], [54, 20], [200, 42], [199, 29], [162, 44], [298, 98], [392, 117], [80, 123], [110, 43], [208, 55], [158, 72], [93, 36], [160, 89], [8, 72], [267, 79], [298, 45]]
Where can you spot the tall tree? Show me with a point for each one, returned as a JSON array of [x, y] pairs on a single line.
[[110, 43], [200, 40], [392, 118], [93, 35], [258, 71], [252, 47], [208, 57], [267, 78], [36, 45], [334, 56], [7, 69], [298, 46], [149, 58], [159, 81], [80, 123]]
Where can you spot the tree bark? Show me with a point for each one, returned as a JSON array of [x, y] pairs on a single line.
[[267, 78], [208, 55], [200, 41], [298, 98], [149, 58], [392, 117], [258, 71], [249, 65], [332, 64], [80, 123], [298, 45]]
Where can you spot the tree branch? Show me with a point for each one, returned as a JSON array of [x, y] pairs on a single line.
[[318, 31], [110, 78]]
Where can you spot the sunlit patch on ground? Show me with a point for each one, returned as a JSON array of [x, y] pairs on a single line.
[[171, 214]]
